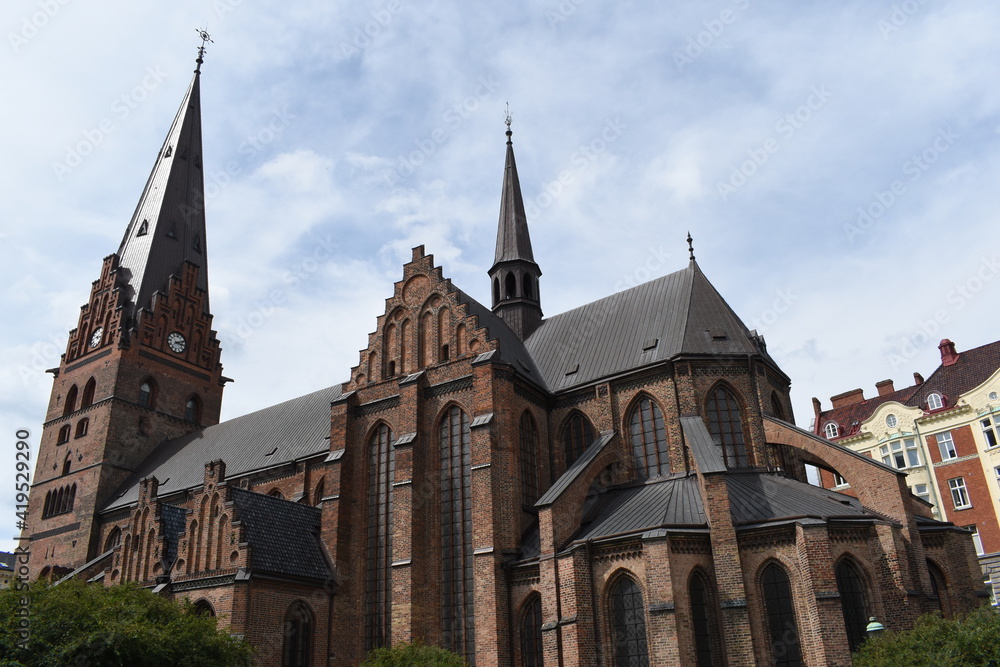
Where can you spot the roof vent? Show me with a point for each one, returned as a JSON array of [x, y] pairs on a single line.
[[718, 334], [572, 368], [650, 344], [271, 453]]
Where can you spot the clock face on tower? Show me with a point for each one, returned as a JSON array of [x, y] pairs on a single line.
[[176, 342], [95, 338]]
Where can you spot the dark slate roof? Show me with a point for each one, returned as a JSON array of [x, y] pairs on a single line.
[[513, 242], [172, 206], [278, 434], [283, 536], [973, 368], [707, 454], [680, 313], [512, 349], [765, 497], [572, 472], [667, 503]]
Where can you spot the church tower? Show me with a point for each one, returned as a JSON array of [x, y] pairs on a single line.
[[515, 274], [141, 367]]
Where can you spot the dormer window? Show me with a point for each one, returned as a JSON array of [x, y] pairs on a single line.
[[832, 430], [934, 401]]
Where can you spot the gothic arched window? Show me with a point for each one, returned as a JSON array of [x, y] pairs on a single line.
[[529, 460], [114, 538], [531, 633], [82, 427], [298, 636], [147, 394], [852, 602], [785, 641], [703, 619], [70, 404], [192, 410], [776, 408], [649, 439], [64, 434], [726, 426], [510, 285], [628, 624], [939, 588], [378, 579], [88, 393], [458, 615], [577, 436]]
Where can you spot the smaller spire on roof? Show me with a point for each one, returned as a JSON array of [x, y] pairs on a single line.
[[508, 119], [690, 246], [205, 37]]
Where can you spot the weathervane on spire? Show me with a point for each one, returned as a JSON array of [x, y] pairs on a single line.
[[508, 119], [205, 37], [690, 246]]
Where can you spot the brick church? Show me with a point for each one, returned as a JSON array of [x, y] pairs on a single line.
[[619, 484]]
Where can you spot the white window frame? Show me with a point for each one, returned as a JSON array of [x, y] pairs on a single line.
[[831, 429], [924, 494], [991, 430], [976, 539], [946, 445], [901, 454], [934, 401], [959, 493], [891, 421], [838, 481]]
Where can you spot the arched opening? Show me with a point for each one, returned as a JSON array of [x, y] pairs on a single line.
[[318, 493], [939, 588], [204, 608], [192, 410], [510, 286], [378, 568], [114, 539], [297, 647], [82, 427], [776, 408], [529, 460], [64, 433], [649, 439], [67, 463], [785, 645], [852, 602], [726, 426], [457, 609], [704, 623], [276, 493], [531, 632], [70, 404], [577, 435], [147, 393], [88, 393], [628, 624], [529, 292], [496, 290]]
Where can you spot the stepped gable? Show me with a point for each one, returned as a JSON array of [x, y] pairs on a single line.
[[275, 435]]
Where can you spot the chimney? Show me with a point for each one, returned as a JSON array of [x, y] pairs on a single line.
[[948, 354], [816, 410], [848, 398], [884, 387], [918, 379]]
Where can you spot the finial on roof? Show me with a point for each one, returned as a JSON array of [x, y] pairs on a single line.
[[205, 37], [690, 246], [508, 119]]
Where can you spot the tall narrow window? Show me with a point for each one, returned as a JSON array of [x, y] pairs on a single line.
[[529, 460], [776, 408], [703, 619], [531, 633], [947, 446], [852, 602], [939, 588], [577, 436], [785, 642], [88, 393], [649, 439], [192, 410], [628, 623], [458, 615], [510, 286], [378, 588], [991, 431], [64, 433], [959, 493], [726, 427], [146, 394], [298, 637], [70, 404], [82, 427]]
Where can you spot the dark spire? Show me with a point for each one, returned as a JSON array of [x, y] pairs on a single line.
[[514, 273], [168, 226]]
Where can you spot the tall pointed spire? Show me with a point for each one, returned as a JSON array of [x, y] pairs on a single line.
[[168, 226], [515, 274]]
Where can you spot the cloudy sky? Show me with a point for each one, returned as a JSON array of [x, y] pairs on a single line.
[[836, 164]]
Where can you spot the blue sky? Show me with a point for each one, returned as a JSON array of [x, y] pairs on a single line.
[[835, 162]]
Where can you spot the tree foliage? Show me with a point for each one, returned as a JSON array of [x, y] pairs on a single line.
[[87, 625], [937, 642], [413, 655]]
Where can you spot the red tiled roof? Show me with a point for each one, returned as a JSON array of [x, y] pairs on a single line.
[[858, 412], [973, 368]]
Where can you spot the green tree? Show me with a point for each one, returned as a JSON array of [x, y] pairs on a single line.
[[413, 655], [87, 625], [937, 642]]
